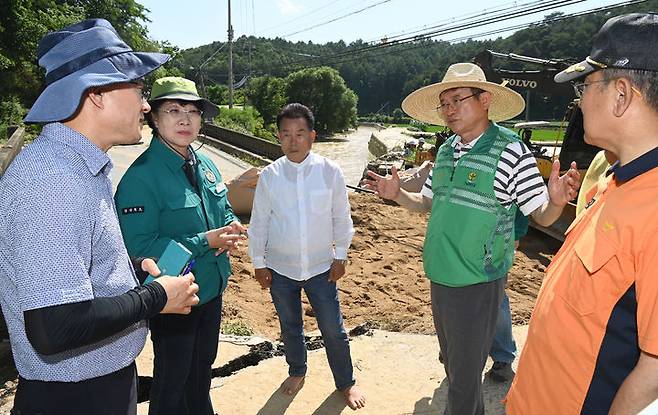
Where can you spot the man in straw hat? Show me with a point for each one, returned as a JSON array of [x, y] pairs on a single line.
[[75, 313], [481, 176], [592, 344]]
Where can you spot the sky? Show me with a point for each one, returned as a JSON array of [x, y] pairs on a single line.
[[198, 22]]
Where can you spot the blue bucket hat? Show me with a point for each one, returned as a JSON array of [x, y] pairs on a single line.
[[83, 55]]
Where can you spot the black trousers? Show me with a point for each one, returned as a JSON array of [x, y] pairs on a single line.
[[465, 321], [184, 348], [111, 394]]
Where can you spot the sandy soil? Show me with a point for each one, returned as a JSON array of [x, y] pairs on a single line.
[[385, 284]]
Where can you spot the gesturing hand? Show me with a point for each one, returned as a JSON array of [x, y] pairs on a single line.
[[562, 189], [224, 238], [385, 187]]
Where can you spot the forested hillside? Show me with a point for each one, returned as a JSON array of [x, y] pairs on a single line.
[[382, 76]]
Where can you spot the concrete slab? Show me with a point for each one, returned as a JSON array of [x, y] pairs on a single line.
[[228, 350], [399, 373]]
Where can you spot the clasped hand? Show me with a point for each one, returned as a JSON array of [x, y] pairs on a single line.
[[227, 238]]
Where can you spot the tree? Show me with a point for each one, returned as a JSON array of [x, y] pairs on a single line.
[[24, 22], [323, 90], [267, 94], [217, 94]]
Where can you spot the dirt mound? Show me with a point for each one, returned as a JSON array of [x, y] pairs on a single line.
[[385, 284]]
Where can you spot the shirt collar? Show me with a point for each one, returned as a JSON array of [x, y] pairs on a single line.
[[304, 162], [634, 168], [94, 158], [470, 144], [168, 156]]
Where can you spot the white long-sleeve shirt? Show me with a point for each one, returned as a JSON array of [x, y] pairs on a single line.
[[300, 219]]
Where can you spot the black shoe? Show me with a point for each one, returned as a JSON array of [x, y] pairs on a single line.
[[501, 372]]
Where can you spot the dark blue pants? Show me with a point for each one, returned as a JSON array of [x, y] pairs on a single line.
[[323, 296], [111, 394], [184, 347]]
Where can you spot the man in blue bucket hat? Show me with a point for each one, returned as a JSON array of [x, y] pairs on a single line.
[[75, 311]]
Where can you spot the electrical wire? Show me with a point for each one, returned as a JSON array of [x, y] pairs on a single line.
[[337, 18], [489, 33], [298, 18]]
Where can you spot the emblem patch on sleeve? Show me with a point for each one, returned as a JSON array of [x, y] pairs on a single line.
[[131, 210]]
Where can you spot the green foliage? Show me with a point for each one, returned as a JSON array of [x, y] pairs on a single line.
[[323, 90], [11, 111], [399, 116], [236, 328], [419, 125], [217, 93], [24, 22], [382, 78], [244, 120], [268, 95]]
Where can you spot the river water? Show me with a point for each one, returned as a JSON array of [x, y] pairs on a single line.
[[349, 151]]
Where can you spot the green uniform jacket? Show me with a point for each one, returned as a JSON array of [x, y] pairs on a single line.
[[156, 203]]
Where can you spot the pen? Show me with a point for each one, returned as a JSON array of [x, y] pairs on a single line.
[[188, 267]]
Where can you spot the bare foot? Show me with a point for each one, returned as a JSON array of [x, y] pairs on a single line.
[[292, 385], [354, 398]]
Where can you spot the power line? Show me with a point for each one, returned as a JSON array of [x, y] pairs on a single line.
[[297, 18], [466, 16], [351, 55], [337, 18], [492, 32], [459, 25]]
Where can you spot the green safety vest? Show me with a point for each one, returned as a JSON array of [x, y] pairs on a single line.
[[470, 236]]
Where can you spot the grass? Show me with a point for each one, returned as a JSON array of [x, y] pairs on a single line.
[[547, 135], [236, 328]]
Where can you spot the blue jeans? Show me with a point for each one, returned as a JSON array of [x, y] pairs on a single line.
[[323, 296], [503, 348]]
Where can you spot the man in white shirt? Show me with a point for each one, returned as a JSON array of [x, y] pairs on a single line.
[[299, 232]]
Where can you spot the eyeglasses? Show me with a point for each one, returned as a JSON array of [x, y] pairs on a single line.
[[454, 103], [179, 114], [144, 93], [580, 87]]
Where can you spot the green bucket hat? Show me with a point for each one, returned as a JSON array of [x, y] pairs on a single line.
[[175, 87]]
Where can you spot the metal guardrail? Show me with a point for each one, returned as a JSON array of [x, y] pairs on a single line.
[[238, 152], [253, 144], [11, 149]]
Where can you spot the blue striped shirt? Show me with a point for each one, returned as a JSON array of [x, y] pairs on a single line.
[[60, 243]]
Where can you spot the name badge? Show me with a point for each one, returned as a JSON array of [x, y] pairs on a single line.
[[220, 186]]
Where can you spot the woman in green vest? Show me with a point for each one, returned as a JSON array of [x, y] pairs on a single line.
[[173, 193]]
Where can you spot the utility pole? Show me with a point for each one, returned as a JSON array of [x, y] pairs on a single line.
[[230, 58]]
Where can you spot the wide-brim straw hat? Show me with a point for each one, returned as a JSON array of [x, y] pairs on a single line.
[[80, 56], [423, 104], [177, 88]]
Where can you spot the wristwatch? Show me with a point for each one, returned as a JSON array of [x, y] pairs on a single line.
[[343, 262]]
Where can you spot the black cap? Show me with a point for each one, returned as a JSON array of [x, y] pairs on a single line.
[[624, 42]]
